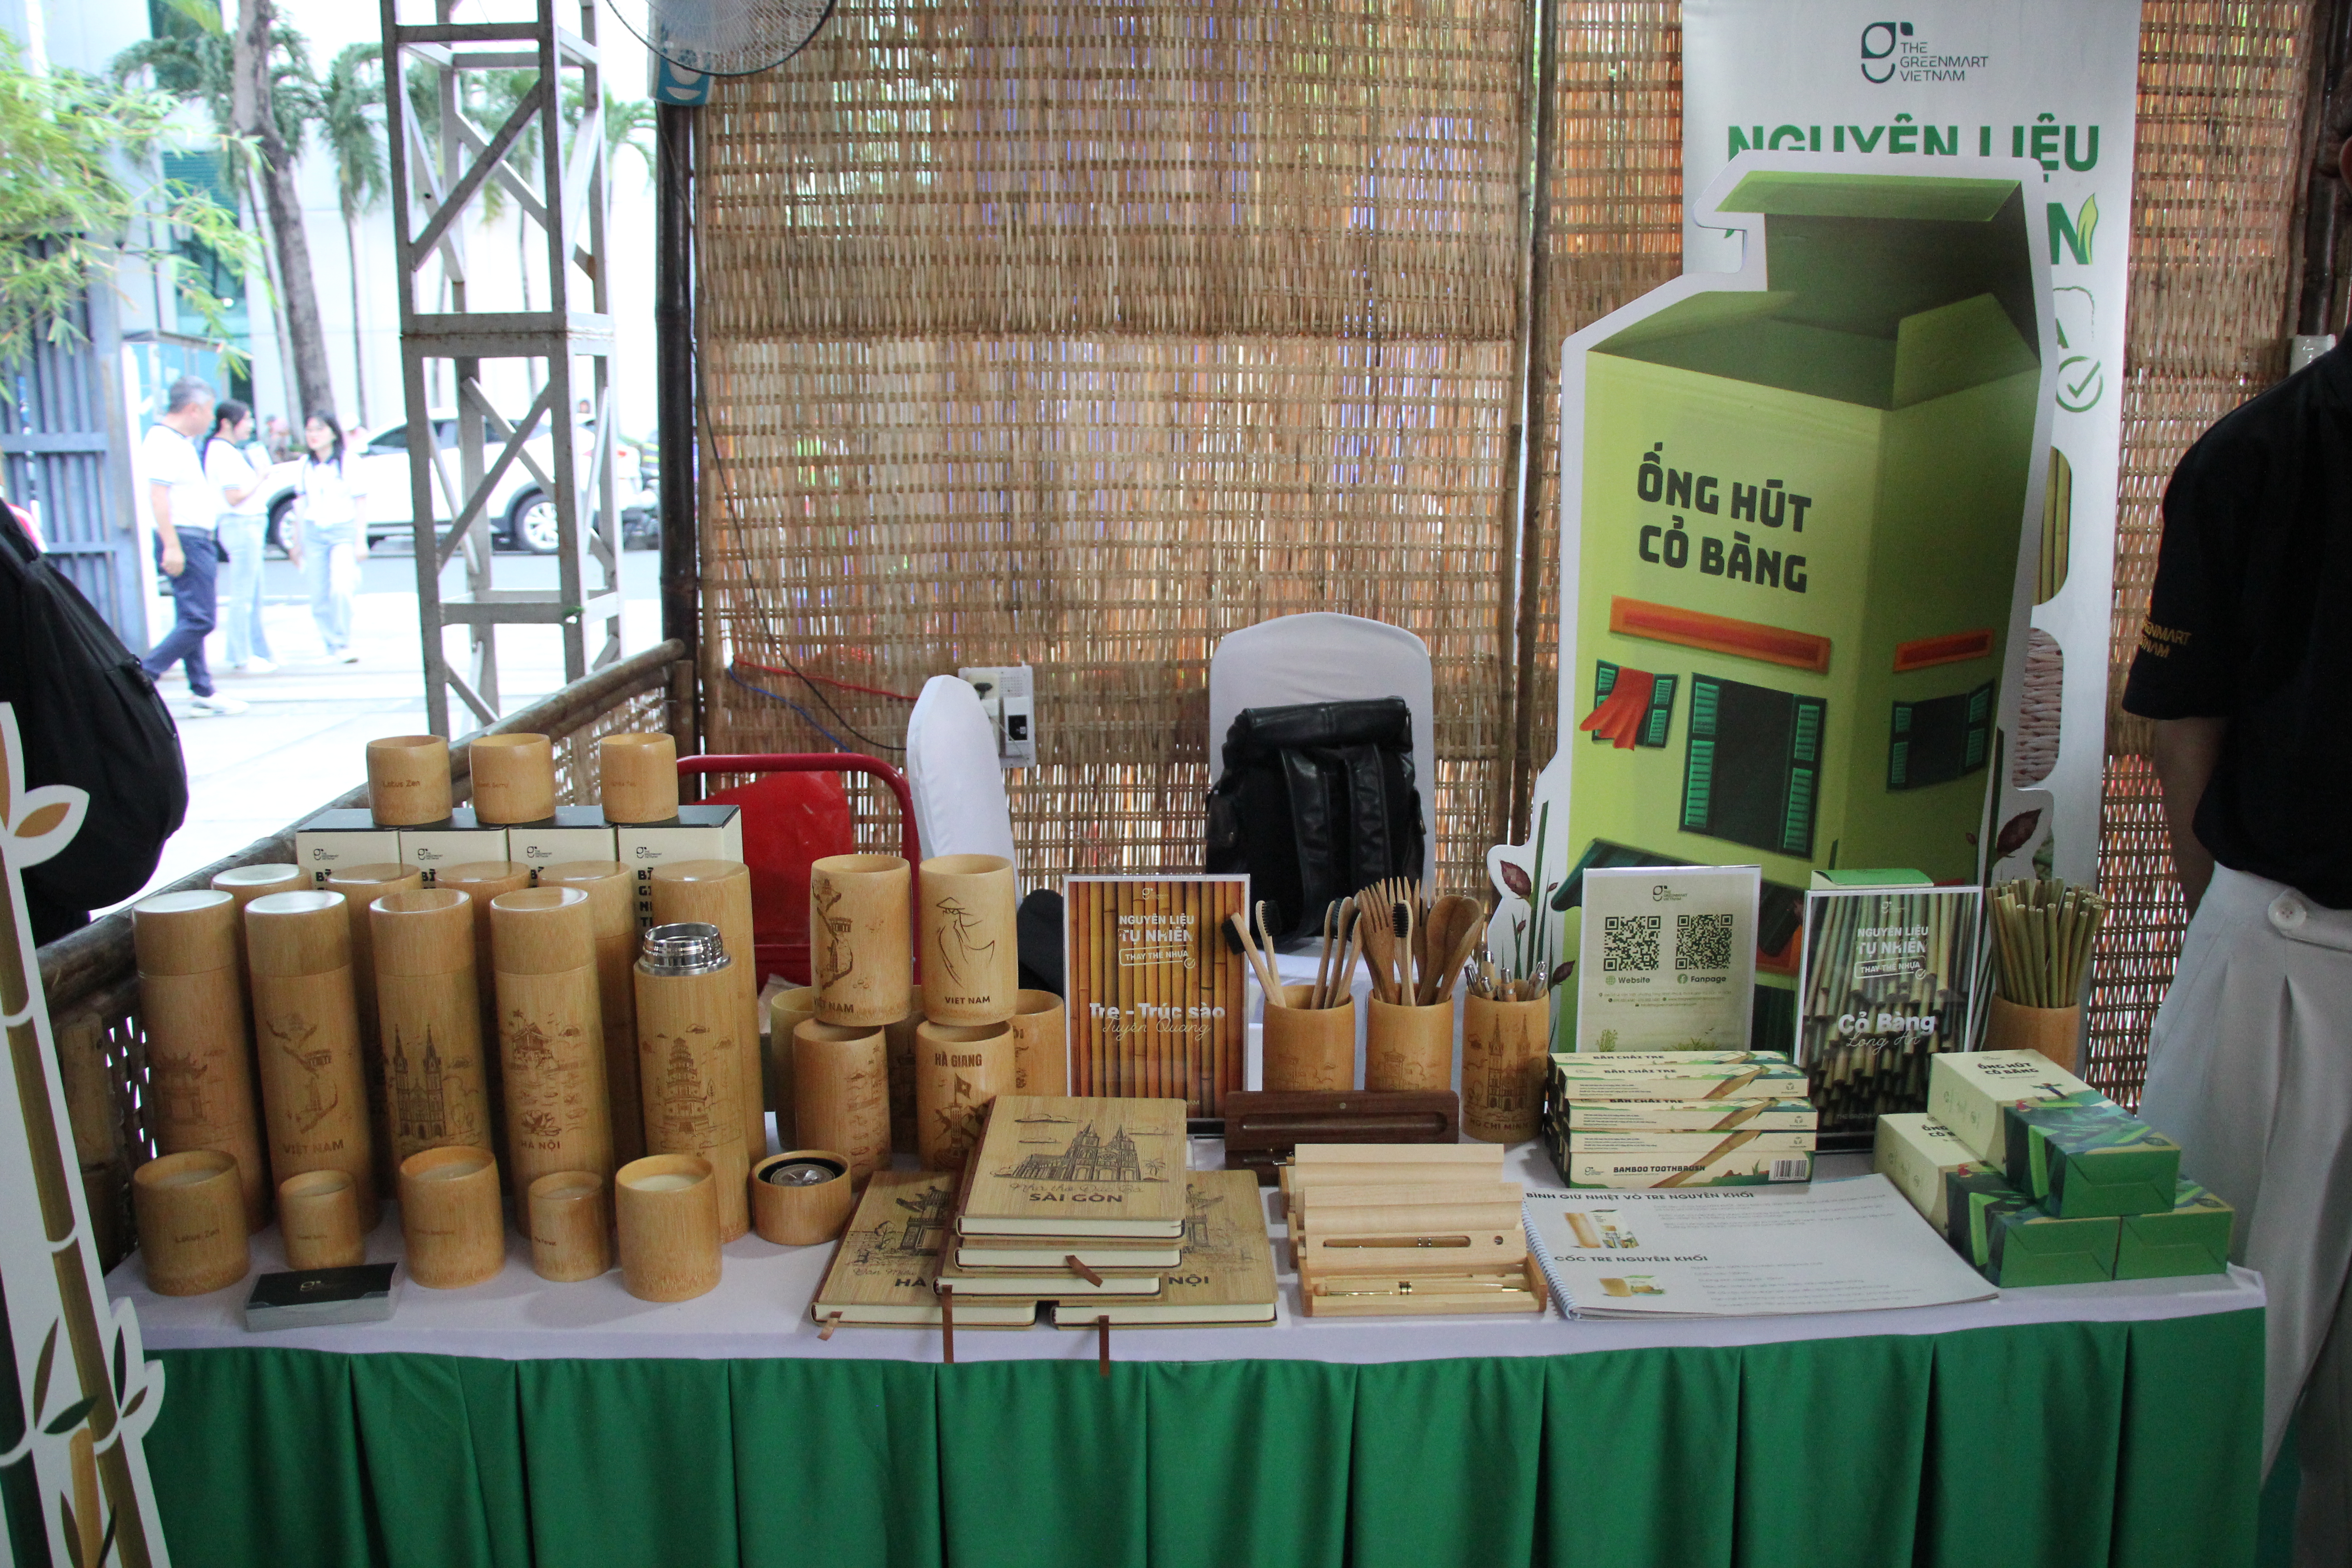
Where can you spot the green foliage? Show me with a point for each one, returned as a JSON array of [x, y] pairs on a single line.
[[195, 64], [628, 125], [352, 90]]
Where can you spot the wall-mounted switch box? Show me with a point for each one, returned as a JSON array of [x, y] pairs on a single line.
[[1009, 694]]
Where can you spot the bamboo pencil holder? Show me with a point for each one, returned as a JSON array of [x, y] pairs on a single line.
[[190, 1208], [313, 1086], [861, 955], [786, 1010], [1041, 1044], [570, 1234], [898, 1053], [690, 1059], [971, 956], [514, 779], [667, 1210], [719, 893], [1503, 1047], [360, 887], [1309, 1048], [246, 883], [450, 1222], [840, 1087], [319, 1217], [2052, 1032], [613, 908], [551, 1033], [802, 1196], [429, 1020], [408, 780], [1408, 1047], [199, 1052], [639, 777], [959, 1069]]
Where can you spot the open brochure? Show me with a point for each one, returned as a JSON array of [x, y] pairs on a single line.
[[1835, 1247]]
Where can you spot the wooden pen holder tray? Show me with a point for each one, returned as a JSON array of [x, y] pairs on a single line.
[[1519, 1287]]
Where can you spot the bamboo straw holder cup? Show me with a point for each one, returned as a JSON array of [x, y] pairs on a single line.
[[1309, 1048], [841, 1086], [794, 1201], [861, 955], [450, 1222], [319, 1216], [971, 956], [408, 780], [691, 1058], [190, 1212], [1041, 1044], [786, 1010], [639, 774], [1408, 1047], [199, 1053], [551, 1033], [898, 1051], [514, 779], [719, 893], [613, 909], [313, 1084], [1503, 1054], [570, 1234], [429, 1020], [2052, 1032], [959, 1069], [667, 1210]]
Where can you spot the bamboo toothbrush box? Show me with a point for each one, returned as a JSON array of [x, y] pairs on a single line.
[[460, 841], [2190, 1237], [1965, 1091], [697, 833], [1916, 1152], [2083, 1157], [2027, 1245], [333, 840]]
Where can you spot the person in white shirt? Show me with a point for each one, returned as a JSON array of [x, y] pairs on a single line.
[[328, 541], [243, 531], [182, 505]]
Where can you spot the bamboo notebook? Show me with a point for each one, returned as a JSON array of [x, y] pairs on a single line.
[[889, 1259], [1051, 1166], [1226, 1278]]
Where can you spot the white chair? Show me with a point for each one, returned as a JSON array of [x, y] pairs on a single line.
[[953, 773]]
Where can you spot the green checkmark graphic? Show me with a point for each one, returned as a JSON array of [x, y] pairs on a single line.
[[2082, 381]]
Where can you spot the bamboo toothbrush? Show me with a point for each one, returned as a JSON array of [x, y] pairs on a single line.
[[1400, 917]]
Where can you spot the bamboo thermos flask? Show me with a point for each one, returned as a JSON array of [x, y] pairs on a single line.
[[429, 1020], [319, 1216], [667, 1210], [450, 1225], [690, 1059], [571, 1237], [408, 780], [313, 1088], [613, 908], [191, 1215], [786, 1010], [1408, 1047], [360, 887], [1041, 1048], [1503, 1068], [551, 1033], [841, 1090], [860, 947], [719, 893], [514, 779], [959, 1069], [1309, 1048], [802, 1196], [971, 957], [639, 774], [198, 1053]]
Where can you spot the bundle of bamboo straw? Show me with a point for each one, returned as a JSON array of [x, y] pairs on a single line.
[[2043, 933]]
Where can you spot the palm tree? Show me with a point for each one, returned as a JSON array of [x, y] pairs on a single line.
[[353, 88]]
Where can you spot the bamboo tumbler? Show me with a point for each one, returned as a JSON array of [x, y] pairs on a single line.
[[860, 951], [190, 1212], [690, 1059], [429, 1018], [719, 893], [1408, 1047], [551, 1033], [841, 1086], [246, 883], [1040, 1044], [640, 777], [2055, 1033], [199, 1054], [785, 1009], [318, 1215], [408, 780], [613, 906], [571, 1237], [360, 887], [313, 1087], [514, 778], [450, 1222], [1309, 1048], [959, 1069], [1502, 1066], [802, 1196], [971, 957], [898, 1051], [667, 1210]]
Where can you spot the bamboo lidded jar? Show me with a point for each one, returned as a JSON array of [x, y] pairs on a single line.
[[840, 1087], [429, 1020], [306, 1022], [408, 780], [613, 911], [360, 887], [551, 1033], [802, 1196], [199, 1047], [246, 883], [513, 778]]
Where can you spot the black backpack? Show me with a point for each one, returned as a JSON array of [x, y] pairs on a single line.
[[1316, 802], [87, 715]]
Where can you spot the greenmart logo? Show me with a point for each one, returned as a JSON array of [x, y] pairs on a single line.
[[1879, 41]]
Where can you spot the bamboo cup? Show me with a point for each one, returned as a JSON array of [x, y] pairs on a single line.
[[360, 887], [898, 1052], [408, 780], [551, 1033], [1040, 1044], [690, 1059], [802, 1196], [450, 1224], [514, 778], [959, 1069], [1502, 1066], [860, 952], [785, 1009], [841, 1086], [571, 1237], [319, 1212], [1408, 1047], [190, 1212], [199, 1052], [313, 1086], [667, 1209], [429, 1018], [719, 893], [613, 907], [640, 777], [1309, 1048], [971, 956], [2053, 1032]]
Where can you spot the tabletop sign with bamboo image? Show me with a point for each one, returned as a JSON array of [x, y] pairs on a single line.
[[1155, 999], [1889, 978]]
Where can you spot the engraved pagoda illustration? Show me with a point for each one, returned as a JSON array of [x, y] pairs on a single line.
[[545, 1082], [180, 1086], [685, 1097]]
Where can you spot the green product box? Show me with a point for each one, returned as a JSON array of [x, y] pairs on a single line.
[[1970, 1193], [2028, 1245], [2080, 1157], [2191, 1237], [1674, 1075], [1965, 1091], [1916, 1152]]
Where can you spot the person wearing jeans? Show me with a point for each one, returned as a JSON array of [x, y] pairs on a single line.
[[184, 504], [329, 541], [243, 531]]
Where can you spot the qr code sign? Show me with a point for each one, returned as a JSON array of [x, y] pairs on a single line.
[[1630, 942], [1702, 942]]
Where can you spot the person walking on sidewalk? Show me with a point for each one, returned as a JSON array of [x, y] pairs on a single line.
[[244, 532], [184, 505], [329, 541]]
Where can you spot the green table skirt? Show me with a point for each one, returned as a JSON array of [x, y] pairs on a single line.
[[2068, 1445]]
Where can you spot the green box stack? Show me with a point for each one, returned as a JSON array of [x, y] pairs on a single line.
[[1677, 1119], [2084, 1157]]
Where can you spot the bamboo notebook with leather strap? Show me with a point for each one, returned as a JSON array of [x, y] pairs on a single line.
[[1054, 1166]]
